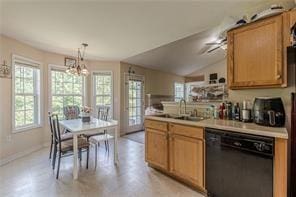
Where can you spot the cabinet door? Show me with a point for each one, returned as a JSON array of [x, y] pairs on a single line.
[[255, 54], [187, 159], [156, 148]]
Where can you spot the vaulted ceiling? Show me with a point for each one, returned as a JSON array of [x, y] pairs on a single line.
[[119, 30]]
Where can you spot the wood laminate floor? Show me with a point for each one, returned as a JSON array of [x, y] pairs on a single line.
[[32, 176]]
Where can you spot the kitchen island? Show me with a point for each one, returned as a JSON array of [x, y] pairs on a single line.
[[177, 148]]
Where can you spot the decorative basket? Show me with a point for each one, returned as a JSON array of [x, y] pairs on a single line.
[[85, 117]]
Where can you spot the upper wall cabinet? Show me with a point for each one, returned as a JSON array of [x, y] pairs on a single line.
[[256, 55]]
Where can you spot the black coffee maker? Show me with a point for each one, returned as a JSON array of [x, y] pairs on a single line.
[[269, 111]]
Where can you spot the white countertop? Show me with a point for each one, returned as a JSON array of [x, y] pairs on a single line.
[[230, 125]]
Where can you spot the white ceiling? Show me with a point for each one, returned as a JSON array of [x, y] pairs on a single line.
[[115, 30], [181, 57]]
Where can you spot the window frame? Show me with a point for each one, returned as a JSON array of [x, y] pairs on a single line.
[[175, 90], [62, 68], [94, 95], [40, 101]]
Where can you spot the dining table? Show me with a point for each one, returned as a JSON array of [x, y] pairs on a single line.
[[95, 126]]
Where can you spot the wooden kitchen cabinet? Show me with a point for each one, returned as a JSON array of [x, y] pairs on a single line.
[[186, 153], [186, 159], [156, 148], [178, 150], [255, 54]]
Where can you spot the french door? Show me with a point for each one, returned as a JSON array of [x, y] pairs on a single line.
[[134, 101]]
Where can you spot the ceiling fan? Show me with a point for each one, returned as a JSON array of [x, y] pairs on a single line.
[[221, 40], [213, 46]]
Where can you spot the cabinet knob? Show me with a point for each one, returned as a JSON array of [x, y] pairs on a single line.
[[278, 76]]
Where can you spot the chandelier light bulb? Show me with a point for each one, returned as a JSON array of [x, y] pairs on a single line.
[[78, 67]]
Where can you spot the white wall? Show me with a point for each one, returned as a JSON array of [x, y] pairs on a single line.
[[156, 82], [17, 144], [218, 67]]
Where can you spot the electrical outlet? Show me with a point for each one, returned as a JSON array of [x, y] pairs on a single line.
[[8, 138]]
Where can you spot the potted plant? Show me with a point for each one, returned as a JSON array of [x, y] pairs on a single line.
[[85, 114]]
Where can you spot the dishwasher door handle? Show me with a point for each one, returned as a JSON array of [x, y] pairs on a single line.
[[212, 139]]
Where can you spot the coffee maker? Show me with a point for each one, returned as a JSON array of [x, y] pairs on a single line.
[[269, 111]]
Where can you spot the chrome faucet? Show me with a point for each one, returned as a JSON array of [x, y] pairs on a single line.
[[180, 106]]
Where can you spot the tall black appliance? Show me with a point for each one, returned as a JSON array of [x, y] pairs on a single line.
[[292, 70]]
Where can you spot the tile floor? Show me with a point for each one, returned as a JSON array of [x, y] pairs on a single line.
[[138, 136], [32, 176]]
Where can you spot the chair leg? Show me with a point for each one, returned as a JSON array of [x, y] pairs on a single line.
[[50, 151], [106, 145], [87, 157], [96, 156], [80, 154], [59, 162], [54, 156]]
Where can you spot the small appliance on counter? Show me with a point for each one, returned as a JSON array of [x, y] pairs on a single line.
[[246, 112], [269, 111]]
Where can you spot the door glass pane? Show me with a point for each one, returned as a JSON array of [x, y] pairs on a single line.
[[135, 102]]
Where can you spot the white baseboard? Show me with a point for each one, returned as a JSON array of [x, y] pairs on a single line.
[[20, 154]]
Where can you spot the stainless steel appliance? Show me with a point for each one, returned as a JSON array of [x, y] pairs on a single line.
[[269, 111], [238, 164], [246, 112]]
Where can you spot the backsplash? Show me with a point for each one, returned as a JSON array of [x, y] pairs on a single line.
[[203, 109]]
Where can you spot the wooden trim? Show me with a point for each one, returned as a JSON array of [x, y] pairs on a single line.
[[230, 63], [286, 43], [280, 168]]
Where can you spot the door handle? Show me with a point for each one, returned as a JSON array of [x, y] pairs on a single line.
[[271, 115], [213, 139]]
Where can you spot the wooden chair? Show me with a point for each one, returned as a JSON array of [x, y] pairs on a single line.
[[71, 112], [65, 147], [65, 136]]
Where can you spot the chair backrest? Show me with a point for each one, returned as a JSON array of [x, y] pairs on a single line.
[[56, 129], [50, 124], [71, 112], [103, 112]]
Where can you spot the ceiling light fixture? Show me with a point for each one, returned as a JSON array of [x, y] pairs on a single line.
[[78, 67]]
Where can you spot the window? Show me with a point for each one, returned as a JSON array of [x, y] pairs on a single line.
[[103, 90], [135, 100], [26, 94], [179, 91], [66, 89]]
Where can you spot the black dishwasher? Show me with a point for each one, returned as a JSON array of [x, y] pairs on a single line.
[[238, 165]]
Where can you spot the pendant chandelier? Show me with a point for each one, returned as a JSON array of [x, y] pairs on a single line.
[[78, 67]]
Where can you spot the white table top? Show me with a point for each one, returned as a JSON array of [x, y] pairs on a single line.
[[76, 125]]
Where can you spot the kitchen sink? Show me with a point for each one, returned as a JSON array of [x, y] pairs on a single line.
[[169, 116], [189, 118]]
